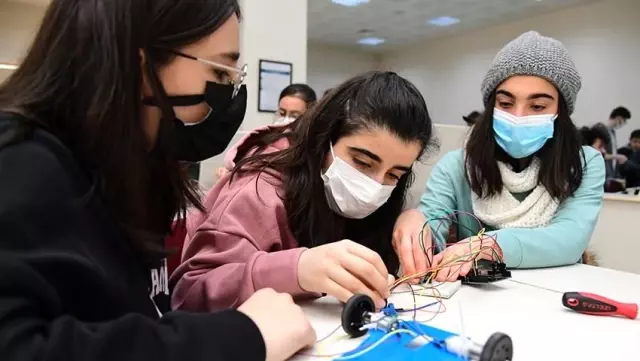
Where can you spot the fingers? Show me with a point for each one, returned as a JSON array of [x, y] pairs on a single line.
[[466, 268], [452, 272], [455, 271], [406, 256], [437, 259], [310, 336], [343, 285], [419, 255], [391, 280], [368, 255], [367, 273], [442, 275], [448, 272]]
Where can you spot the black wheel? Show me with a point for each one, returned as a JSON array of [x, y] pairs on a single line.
[[354, 312], [498, 347]]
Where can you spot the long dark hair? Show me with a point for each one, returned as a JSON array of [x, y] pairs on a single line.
[[366, 102], [560, 158], [302, 91], [82, 81]]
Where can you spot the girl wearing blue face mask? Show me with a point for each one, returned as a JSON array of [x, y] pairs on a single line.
[[309, 208], [523, 172]]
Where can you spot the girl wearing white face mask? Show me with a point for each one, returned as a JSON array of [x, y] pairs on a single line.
[[523, 171], [309, 208], [294, 100]]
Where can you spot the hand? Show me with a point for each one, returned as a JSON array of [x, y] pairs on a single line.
[[620, 158], [221, 172], [406, 242], [391, 279], [282, 339], [459, 257], [342, 269]]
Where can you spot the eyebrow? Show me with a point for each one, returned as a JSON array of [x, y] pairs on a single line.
[[231, 55], [376, 158], [530, 97]]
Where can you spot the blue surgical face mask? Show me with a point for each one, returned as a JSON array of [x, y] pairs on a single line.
[[520, 137]]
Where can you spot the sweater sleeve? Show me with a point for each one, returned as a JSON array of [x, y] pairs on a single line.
[[45, 235], [239, 249], [564, 240], [438, 199]]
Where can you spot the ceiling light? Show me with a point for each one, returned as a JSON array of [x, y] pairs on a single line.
[[4, 66], [373, 41], [444, 21], [350, 2]]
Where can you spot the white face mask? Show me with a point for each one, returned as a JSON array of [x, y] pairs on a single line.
[[283, 120], [351, 193]]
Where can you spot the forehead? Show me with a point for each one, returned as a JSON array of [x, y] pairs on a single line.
[[293, 103], [225, 39], [521, 86], [389, 147]]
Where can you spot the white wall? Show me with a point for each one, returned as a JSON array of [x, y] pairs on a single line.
[[18, 26], [603, 39], [328, 66], [266, 33]]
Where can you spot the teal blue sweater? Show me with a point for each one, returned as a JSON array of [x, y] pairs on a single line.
[[562, 242]]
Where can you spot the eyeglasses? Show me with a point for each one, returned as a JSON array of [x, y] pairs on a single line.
[[236, 80]]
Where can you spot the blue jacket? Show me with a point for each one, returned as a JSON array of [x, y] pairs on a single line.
[[562, 242]]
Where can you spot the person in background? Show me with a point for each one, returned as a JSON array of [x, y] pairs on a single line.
[[93, 124], [595, 137], [295, 99], [630, 169], [523, 173], [634, 143], [598, 138], [472, 118], [617, 119], [322, 195]]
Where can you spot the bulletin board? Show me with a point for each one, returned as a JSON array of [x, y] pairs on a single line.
[[274, 76]]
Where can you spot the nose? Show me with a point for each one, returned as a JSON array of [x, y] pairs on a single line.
[[378, 177], [520, 110]]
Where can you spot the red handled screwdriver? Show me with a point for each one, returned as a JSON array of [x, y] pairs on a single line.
[[591, 304]]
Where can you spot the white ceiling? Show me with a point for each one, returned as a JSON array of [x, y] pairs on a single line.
[[405, 21], [401, 22]]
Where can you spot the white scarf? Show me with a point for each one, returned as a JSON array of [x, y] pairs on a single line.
[[505, 211]]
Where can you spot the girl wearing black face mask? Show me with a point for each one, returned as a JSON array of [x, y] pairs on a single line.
[[92, 127]]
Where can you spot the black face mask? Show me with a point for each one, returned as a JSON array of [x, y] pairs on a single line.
[[212, 135]]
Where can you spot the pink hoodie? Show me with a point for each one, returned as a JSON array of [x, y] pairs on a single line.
[[243, 244], [229, 158]]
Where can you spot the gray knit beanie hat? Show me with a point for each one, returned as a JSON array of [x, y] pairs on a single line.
[[534, 54]]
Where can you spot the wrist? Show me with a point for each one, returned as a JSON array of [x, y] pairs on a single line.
[[300, 272], [489, 241]]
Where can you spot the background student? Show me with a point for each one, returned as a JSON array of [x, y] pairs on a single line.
[[90, 184], [630, 170], [617, 119], [295, 99]]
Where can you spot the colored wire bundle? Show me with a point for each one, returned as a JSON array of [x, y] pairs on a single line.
[[427, 276]]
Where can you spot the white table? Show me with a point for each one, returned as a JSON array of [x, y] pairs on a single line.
[[541, 328]]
